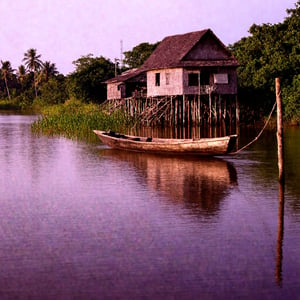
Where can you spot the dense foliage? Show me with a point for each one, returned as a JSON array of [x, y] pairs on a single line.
[[87, 82], [271, 51], [37, 84], [137, 56]]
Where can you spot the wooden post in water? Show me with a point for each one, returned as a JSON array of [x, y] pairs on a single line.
[[279, 132], [209, 103], [237, 111]]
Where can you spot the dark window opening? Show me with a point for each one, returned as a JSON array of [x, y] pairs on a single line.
[[204, 78], [157, 79], [193, 79]]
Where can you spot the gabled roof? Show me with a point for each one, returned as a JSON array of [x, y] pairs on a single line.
[[173, 50]]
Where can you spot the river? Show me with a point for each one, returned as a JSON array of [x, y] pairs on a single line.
[[81, 221]]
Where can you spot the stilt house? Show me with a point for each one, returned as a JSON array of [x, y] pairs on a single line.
[[184, 64], [193, 66]]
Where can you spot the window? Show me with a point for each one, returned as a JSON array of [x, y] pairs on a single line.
[[193, 79], [221, 78], [204, 78], [157, 79], [167, 78]]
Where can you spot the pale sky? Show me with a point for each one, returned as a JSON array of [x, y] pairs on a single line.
[[64, 30]]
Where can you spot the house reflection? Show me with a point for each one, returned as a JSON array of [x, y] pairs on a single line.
[[200, 184]]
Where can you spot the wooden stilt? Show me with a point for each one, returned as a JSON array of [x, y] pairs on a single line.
[[199, 108], [215, 109], [183, 110], [209, 104], [237, 111], [220, 111], [188, 111]]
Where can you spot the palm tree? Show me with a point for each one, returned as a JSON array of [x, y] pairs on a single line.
[[6, 73], [49, 70], [33, 64], [21, 74]]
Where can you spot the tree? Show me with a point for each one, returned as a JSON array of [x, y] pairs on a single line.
[[52, 91], [21, 74], [87, 82], [33, 64], [6, 73], [137, 56], [48, 70], [271, 50]]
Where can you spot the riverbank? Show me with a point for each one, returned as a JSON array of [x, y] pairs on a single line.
[[9, 105]]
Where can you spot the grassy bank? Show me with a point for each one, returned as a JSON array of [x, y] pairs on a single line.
[[6, 104], [77, 121]]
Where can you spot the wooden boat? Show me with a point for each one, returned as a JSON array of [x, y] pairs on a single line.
[[202, 146]]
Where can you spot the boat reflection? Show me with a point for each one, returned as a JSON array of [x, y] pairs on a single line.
[[199, 184]]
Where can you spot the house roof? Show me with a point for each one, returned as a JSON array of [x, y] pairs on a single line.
[[173, 50], [129, 74]]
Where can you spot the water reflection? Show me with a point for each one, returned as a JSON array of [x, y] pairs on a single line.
[[280, 233], [200, 184]]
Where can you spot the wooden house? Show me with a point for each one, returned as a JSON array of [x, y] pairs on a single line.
[[195, 70], [126, 84], [189, 64]]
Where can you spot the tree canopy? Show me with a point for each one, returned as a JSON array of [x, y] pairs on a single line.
[[137, 56], [87, 82], [271, 50], [6, 73]]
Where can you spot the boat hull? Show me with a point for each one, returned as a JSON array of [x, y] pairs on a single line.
[[202, 146]]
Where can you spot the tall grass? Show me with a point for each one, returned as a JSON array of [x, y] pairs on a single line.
[[76, 121]]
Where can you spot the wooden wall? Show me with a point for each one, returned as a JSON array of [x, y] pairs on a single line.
[[177, 82], [115, 91], [170, 82]]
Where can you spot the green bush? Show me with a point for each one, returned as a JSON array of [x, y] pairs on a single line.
[[51, 92], [291, 101]]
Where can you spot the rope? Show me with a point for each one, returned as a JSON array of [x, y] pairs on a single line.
[[257, 137]]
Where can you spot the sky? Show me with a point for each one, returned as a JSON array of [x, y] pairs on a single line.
[[64, 30]]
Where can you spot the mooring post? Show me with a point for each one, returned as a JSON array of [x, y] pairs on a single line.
[[279, 131]]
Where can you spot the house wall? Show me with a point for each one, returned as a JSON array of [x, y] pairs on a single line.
[[231, 87], [221, 88], [170, 82], [178, 82], [207, 49], [190, 90], [115, 91]]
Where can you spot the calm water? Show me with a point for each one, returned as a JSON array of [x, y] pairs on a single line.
[[81, 221]]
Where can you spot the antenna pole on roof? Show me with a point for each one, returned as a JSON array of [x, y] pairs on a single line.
[[121, 54]]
